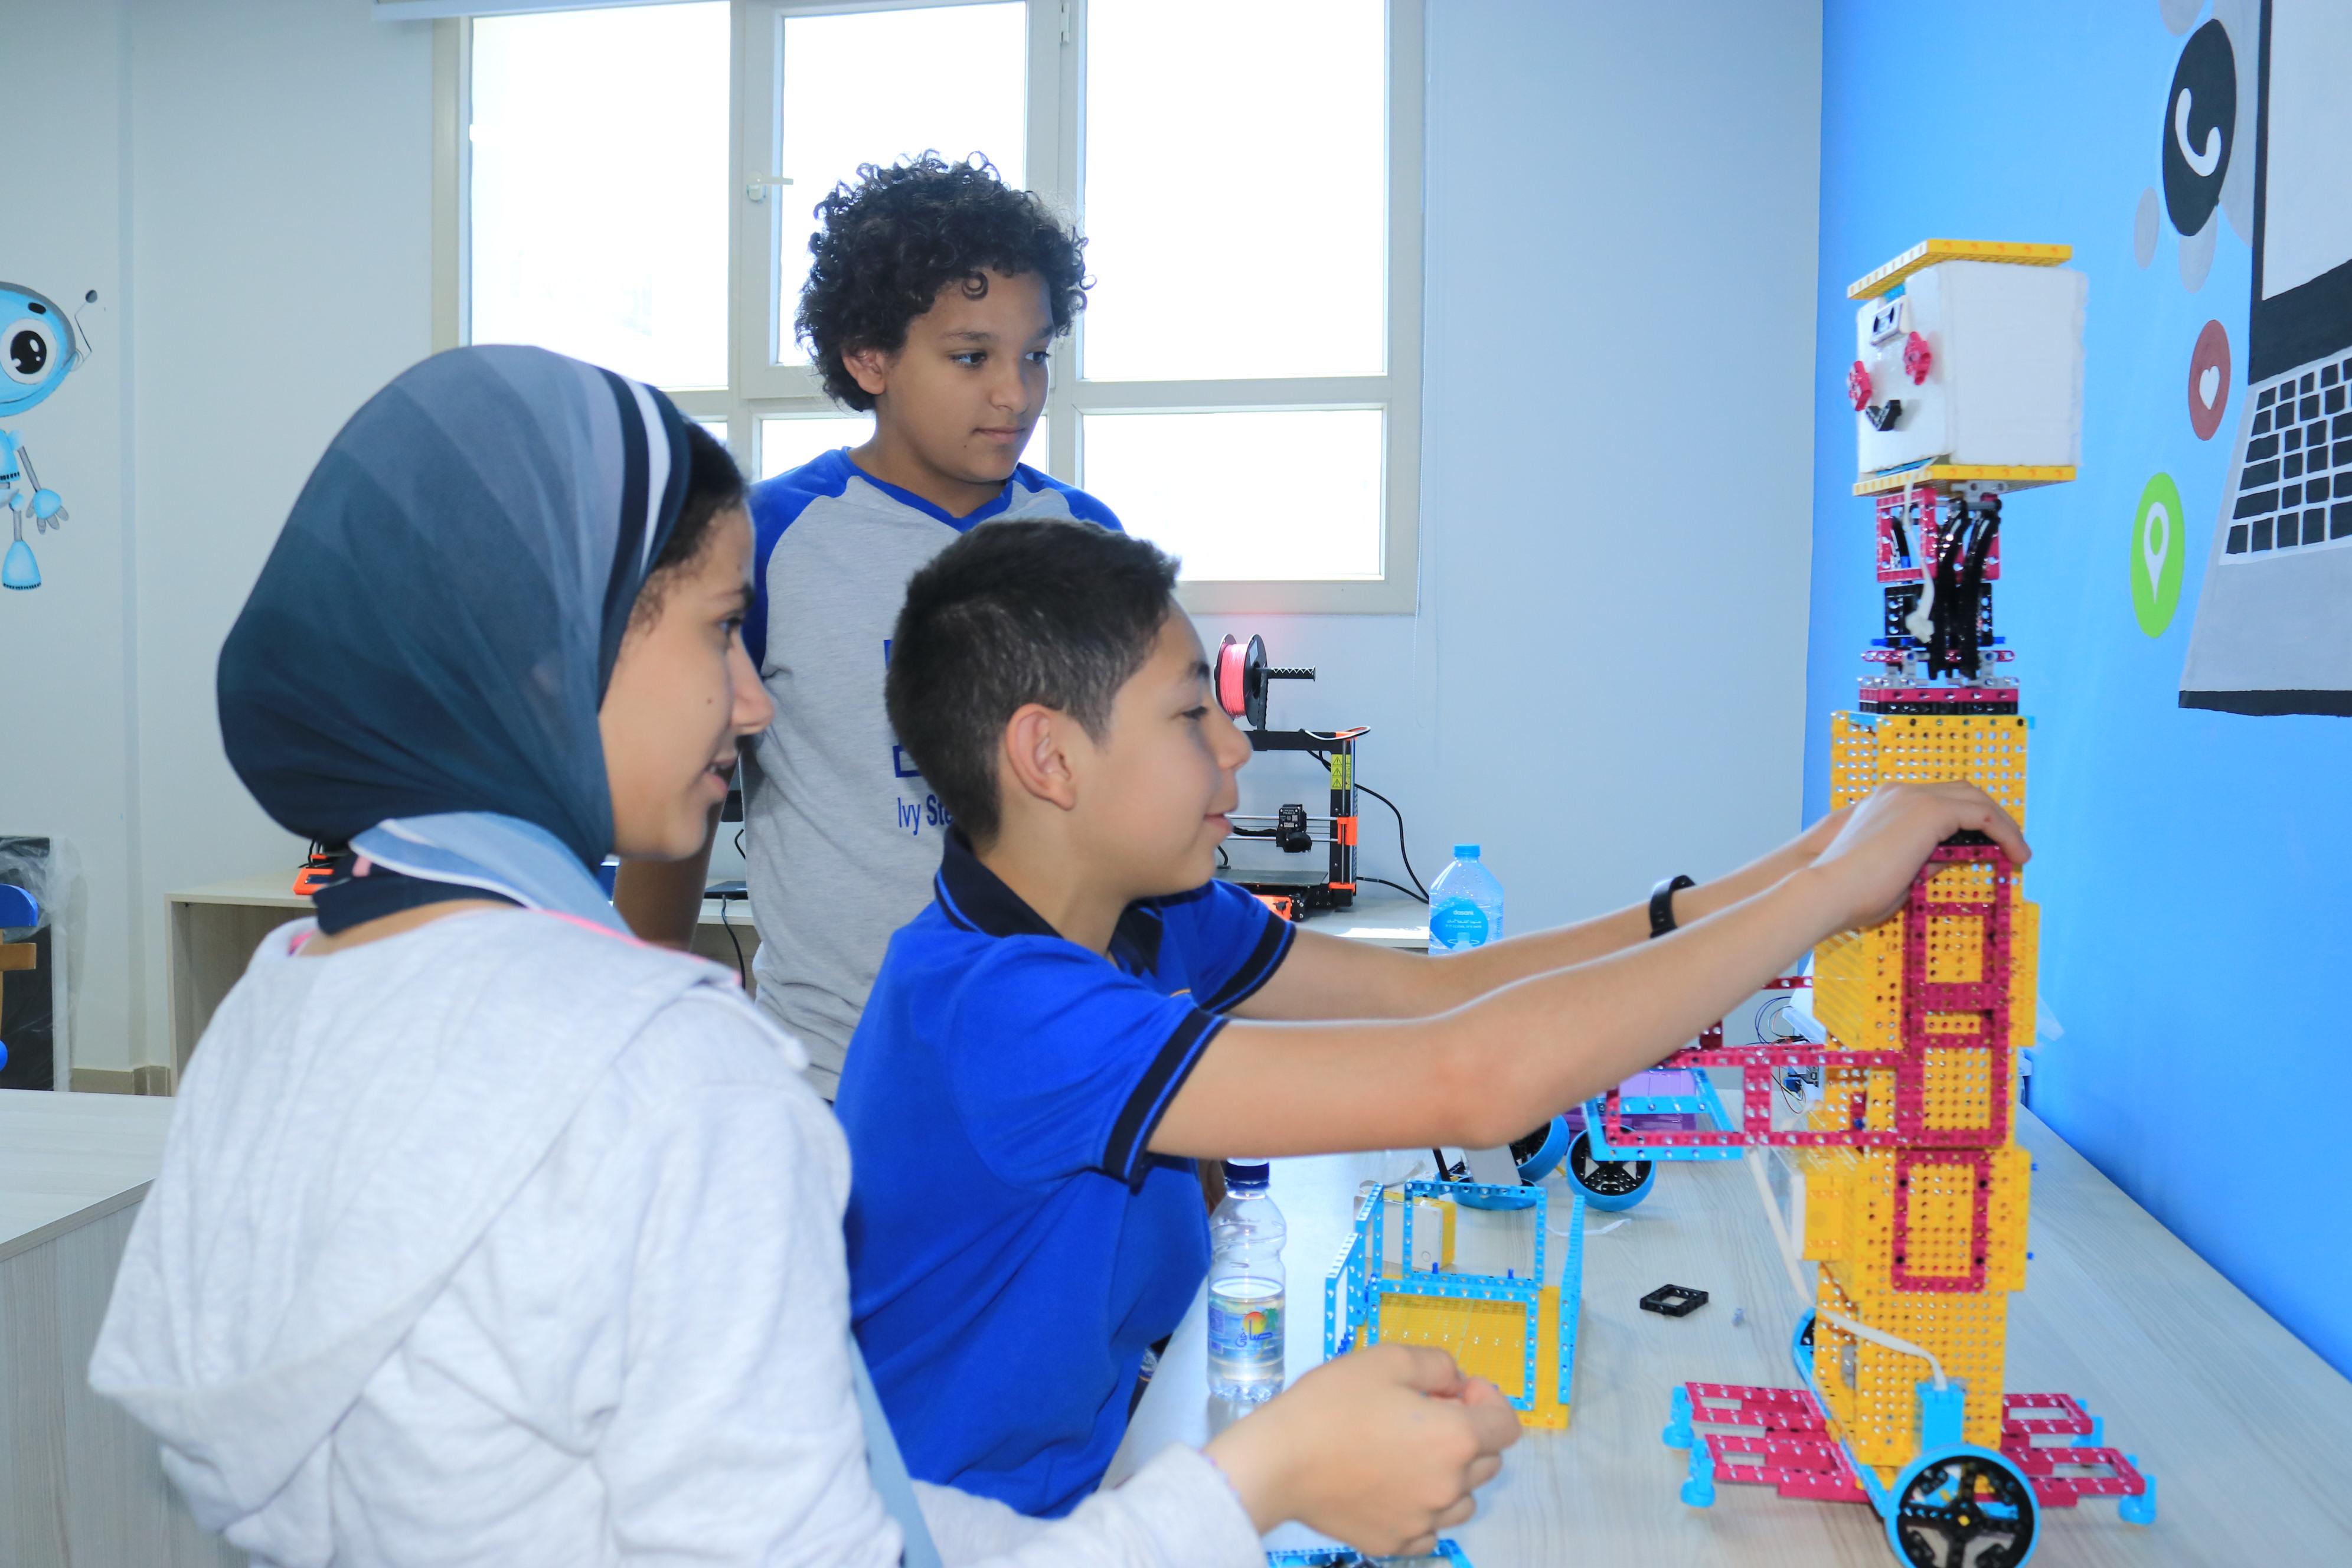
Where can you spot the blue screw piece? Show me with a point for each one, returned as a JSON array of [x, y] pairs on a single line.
[[2140, 1509], [1699, 1490], [1677, 1434]]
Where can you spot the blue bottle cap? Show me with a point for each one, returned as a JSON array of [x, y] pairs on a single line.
[[1246, 1174], [1466, 852]]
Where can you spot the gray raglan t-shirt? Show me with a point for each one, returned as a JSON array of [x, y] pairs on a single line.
[[843, 833]]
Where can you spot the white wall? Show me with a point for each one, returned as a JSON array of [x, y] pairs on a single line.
[[281, 186], [1604, 683], [63, 647], [247, 185]]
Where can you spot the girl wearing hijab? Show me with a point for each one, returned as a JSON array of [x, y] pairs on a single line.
[[486, 1234]]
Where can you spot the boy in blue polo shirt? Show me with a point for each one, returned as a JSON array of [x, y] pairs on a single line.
[[1083, 1010]]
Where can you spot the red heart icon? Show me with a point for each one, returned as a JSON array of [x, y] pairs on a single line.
[[2208, 381]]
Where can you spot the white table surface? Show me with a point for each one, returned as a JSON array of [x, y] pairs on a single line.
[[1391, 919], [2246, 1431], [68, 1159]]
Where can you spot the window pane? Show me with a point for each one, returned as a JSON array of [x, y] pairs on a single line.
[[786, 443], [1039, 453], [1235, 188], [1281, 495], [955, 85], [599, 184]]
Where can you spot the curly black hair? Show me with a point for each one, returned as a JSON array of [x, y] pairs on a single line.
[[888, 244]]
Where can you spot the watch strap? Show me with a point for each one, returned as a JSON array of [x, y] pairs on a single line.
[[1662, 903]]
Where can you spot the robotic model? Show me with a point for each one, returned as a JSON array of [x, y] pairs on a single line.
[[1899, 1174]]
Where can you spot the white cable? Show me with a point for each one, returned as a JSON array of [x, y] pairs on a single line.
[[1604, 1231], [1921, 622], [1753, 1161]]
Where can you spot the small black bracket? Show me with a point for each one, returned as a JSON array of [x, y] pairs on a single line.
[[1883, 416], [1673, 1300]]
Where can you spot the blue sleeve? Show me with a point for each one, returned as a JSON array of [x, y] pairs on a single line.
[[1059, 1062], [1226, 941], [775, 505]]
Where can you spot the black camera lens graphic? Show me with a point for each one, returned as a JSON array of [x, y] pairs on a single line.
[[2200, 125]]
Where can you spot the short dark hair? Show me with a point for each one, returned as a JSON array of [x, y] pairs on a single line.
[[888, 244], [1014, 613], [713, 485]]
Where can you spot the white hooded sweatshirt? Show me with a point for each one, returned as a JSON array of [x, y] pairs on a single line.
[[510, 1241]]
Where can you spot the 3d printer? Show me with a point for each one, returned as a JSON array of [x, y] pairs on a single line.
[[1243, 677]]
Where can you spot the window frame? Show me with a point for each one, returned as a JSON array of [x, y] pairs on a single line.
[[759, 388]]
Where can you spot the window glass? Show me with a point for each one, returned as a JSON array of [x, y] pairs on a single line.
[[1235, 189], [599, 189], [955, 86], [786, 443], [1283, 494]]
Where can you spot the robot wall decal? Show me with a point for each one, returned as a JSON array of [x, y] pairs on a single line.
[[39, 347]]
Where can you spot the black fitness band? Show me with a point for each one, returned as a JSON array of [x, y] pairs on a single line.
[[1662, 904]]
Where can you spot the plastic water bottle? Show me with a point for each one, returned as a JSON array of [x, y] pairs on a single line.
[[1245, 1304], [1466, 903]]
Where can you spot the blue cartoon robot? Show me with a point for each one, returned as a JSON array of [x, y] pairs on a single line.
[[39, 349]]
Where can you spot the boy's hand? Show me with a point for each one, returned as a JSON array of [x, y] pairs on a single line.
[[1869, 864], [1380, 1448]]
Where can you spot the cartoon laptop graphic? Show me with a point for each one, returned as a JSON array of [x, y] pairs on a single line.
[[2274, 631]]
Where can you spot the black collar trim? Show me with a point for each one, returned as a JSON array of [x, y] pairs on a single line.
[[976, 898]]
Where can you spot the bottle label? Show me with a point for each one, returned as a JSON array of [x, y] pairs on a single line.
[[1245, 1332], [1458, 923]]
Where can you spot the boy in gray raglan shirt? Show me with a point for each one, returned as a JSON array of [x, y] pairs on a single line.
[[945, 342]]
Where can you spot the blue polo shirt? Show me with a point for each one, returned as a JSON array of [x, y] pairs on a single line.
[[1014, 1245]]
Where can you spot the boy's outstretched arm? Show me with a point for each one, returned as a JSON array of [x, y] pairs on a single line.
[[1480, 1074], [1331, 977]]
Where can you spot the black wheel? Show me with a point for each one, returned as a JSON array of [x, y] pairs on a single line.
[[1965, 1509], [1537, 1151], [1608, 1184]]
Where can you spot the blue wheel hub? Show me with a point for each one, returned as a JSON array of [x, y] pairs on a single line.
[[1607, 1184]]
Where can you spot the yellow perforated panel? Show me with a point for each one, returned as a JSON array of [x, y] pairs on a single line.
[[1873, 1393], [2025, 970], [1488, 1340], [1850, 1198], [1960, 1088], [2002, 475], [1987, 750], [1929, 252]]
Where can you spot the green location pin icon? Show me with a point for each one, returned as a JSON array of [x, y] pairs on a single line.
[[2156, 555]]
